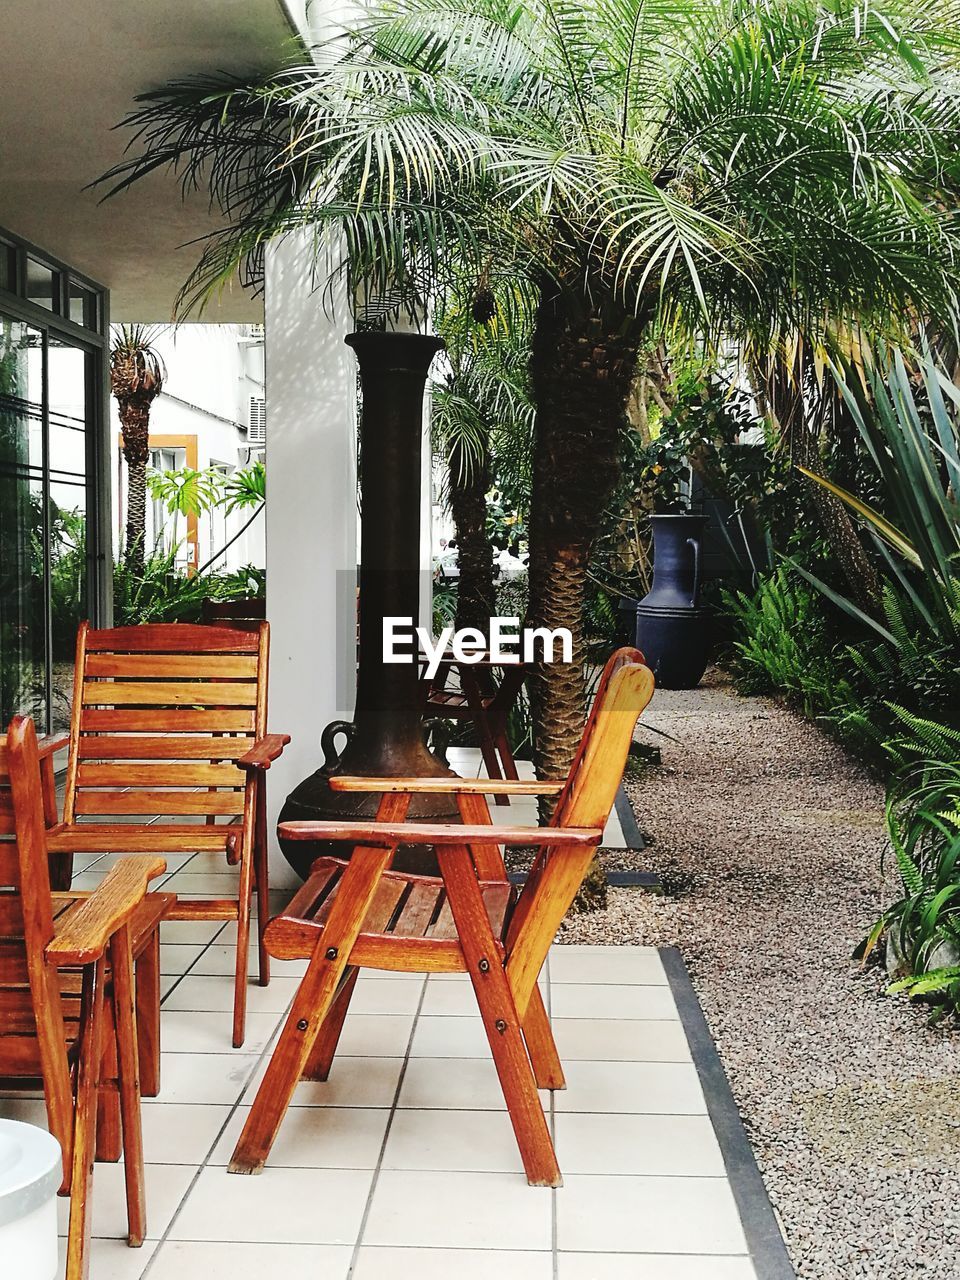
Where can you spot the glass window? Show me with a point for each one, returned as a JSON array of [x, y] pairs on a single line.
[[165, 529], [69, 371], [8, 267], [22, 569], [41, 284], [83, 305]]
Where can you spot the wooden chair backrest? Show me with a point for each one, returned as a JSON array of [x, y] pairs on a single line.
[[625, 688], [591, 786], [33, 1032], [161, 712], [245, 615]]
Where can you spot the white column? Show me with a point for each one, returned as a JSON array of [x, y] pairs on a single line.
[[311, 509]]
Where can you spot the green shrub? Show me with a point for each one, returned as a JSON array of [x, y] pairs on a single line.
[[165, 594], [922, 927], [783, 645]]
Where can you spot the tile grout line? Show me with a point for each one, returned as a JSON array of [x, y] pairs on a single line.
[[554, 1252], [386, 1134], [205, 1163]]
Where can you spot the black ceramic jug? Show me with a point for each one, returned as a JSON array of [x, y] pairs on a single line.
[[672, 629]]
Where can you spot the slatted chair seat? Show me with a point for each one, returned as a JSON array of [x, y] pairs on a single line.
[[403, 907], [357, 913], [168, 748]]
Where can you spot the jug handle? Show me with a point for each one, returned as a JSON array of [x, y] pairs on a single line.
[[695, 544], [331, 757]]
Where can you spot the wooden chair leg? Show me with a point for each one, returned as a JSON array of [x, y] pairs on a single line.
[[85, 1122], [262, 872], [488, 750], [540, 1045], [109, 1131], [309, 1009], [500, 1019], [147, 975], [128, 1083], [244, 897], [506, 756], [321, 1058]]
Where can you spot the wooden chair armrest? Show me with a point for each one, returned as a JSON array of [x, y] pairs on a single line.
[[85, 929], [390, 834], [51, 742], [264, 751], [448, 786]]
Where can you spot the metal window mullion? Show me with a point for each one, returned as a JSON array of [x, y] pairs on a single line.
[[45, 529]]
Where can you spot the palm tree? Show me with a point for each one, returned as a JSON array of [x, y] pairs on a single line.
[[481, 422], [136, 379], [732, 166]]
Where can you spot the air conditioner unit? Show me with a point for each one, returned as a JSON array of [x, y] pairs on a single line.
[[257, 421]]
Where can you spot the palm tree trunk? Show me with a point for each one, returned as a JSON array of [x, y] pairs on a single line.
[[582, 368], [135, 429], [136, 517], [469, 481]]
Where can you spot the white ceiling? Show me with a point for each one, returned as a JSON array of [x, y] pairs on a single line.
[[71, 69]]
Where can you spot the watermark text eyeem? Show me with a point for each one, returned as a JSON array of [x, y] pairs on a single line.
[[507, 643]]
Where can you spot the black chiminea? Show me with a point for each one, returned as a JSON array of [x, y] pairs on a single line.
[[385, 738], [673, 628]]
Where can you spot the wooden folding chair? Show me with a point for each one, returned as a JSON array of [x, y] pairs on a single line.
[[67, 992], [168, 747], [356, 913], [479, 698]]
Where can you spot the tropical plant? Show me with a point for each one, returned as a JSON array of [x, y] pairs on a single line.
[[191, 493], [784, 646], [911, 438], [922, 927], [918, 529], [162, 593], [136, 379], [481, 420], [750, 166]]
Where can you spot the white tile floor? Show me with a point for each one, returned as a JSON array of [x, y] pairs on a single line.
[[404, 1164]]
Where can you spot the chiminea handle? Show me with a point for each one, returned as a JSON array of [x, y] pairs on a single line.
[[695, 544], [331, 756]]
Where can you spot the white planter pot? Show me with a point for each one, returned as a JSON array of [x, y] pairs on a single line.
[[31, 1171]]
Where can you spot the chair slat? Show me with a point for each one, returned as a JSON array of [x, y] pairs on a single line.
[[162, 748], [184, 666], [307, 899], [444, 926], [418, 911], [11, 916], [165, 803], [19, 1056], [13, 962], [496, 898], [168, 693], [163, 720], [172, 638], [133, 837], [385, 900], [160, 775], [9, 864]]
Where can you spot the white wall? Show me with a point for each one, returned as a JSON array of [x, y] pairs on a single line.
[[311, 510]]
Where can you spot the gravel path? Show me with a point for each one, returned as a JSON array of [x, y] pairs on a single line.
[[767, 838]]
